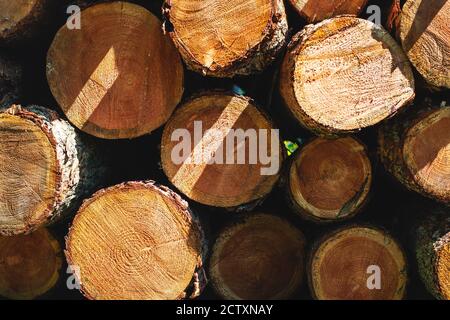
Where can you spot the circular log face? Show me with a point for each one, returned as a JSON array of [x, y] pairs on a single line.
[[216, 35], [425, 35], [345, 74], [134, 241], [347, 264], [330, 179], [213, 171], [427, 153], [14, 12], [118, 76], [260, 258], [29, 264], [28, 172], [318, 10]]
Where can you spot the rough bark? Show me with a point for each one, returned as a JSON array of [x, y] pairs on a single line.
[[118, 76], [30, 265], [137, 240], [226, 38], [259, 257], [432, 243], [412, 138], [425, 36], [339, 265], [10, 81], [46, 168], [317, 10], [210, 171], [344, 74], [329, 180], [21, 19]]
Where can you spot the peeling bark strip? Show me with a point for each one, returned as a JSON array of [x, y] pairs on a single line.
[[45, 169], [10, 81], [20, 19], [225, 38], [345, 74], [330, 180], [209, 171], [137, 240], [415, 148], [317, 10], [425, 36], [119, 76], [30, 265], [433, 252], [357, 263], [260, 257]]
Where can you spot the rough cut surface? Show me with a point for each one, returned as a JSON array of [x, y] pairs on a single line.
[[345, 74], [260, 257], [20, 18], [224, 38], [137, 240], [30, 265], [10, 81], [117, 77], [425, 36], [433, 252], [45, 169], [415, 148], [205, 175], [330, 180], [338, 266], [317, 10]]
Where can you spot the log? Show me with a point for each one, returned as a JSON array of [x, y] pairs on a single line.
[[225, 38], [137, 240], [118, 76], [10, 81], [344, 74], [330, 180], [344, 264], [30, 265], [210, 162], [21, 19], [259, 257], [317, 10], [46, 169], [425, 36], [415, 149], [432, 243]]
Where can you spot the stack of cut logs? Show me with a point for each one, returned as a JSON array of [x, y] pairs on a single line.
[[335, 95]]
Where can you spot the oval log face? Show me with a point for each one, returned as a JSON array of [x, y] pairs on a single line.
[[425, 36], [29, 264], [261, 257], [358, 263], [330, 179], [145, 244], [345, 74], [28, 174], [426, 152], [118, 76], [211, 151]]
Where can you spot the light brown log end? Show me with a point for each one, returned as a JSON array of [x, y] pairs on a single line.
[[330, 180], [118, 76], [30, 265], [135, 241], [344, 266], [261, 257], [345, 74], [217, 170], [317, 10]]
